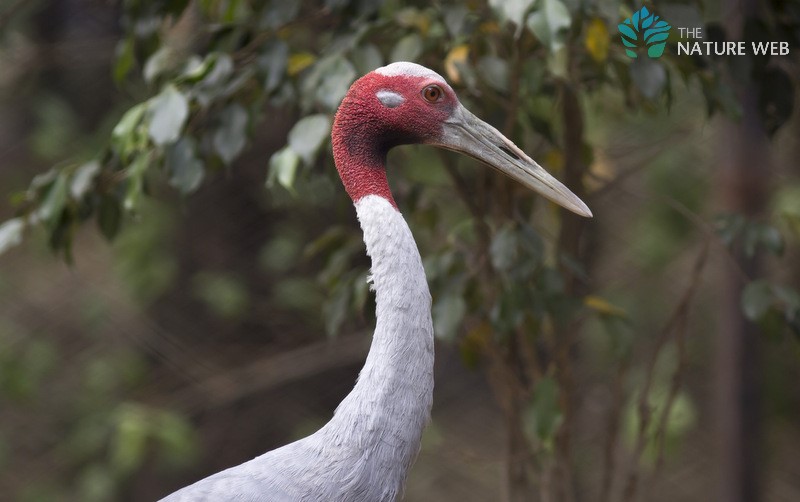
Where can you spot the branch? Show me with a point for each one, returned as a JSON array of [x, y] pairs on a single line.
[[613, 427], [268, 373], [698, 223], [677, 375], [676, 324]]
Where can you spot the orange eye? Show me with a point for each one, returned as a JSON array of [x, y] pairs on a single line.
[[432, 93]]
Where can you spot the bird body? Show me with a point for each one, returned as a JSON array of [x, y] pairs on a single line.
[[364, 453]]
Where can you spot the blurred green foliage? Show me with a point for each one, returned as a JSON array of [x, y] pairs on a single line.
[[204, 77]]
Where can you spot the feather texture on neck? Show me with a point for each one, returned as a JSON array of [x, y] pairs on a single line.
[[390, 405]]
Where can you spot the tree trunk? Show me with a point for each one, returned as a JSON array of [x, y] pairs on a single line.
[[570, 244], [743, 185]]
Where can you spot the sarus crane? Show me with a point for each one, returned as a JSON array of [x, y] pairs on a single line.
[[364, 453]]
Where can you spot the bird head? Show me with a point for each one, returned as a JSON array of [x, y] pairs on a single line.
[[405, 103]]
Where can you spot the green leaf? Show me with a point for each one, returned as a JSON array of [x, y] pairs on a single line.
[[308, 135], [41, 181], [728, 227], [279, 254], [94, 483], [455, 18], [772, 239], [335, 309], [56, 199], [82, 179], [549, 22], [235, 11], [129, 121], [230, 137], [136, 171], [411, 17], [273, 63], [788, 296], [176, 437], [786, 205], [649, 76], [186, 170], [219, 74], [128, 447], [531, 244], [279, 13], [620, 336], [109, 216], [558, 65], [226, 295], [213, 85], [407, 48], [682, 416], [168, 113], [335, 82], [759, 234], [196, 69], [162, 61], [282, 168], [366, 58], [543, 416], [504, 249], [512, 10], [125, 59], [448, 312], [125, 136], [495, 72], [756, 299], [11, 234]]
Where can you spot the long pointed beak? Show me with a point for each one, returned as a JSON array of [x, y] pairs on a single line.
[[464, 132]]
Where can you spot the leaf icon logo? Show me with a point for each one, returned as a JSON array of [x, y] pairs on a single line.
[[644, 29]]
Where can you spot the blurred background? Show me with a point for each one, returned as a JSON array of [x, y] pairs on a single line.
[[183, 281]]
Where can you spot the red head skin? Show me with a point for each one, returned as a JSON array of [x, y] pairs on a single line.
[[365, 129]]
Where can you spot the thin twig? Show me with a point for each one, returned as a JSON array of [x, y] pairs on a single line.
[[680, 368], [676, 323], [614, 420], [652, 152], [697, 222], [222, 389]]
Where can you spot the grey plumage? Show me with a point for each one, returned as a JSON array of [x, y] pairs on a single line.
[[364, 453]]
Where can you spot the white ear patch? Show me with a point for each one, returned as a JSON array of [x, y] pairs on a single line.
[[389, 99]]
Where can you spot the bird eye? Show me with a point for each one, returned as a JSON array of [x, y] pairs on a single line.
[[432, 93]]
